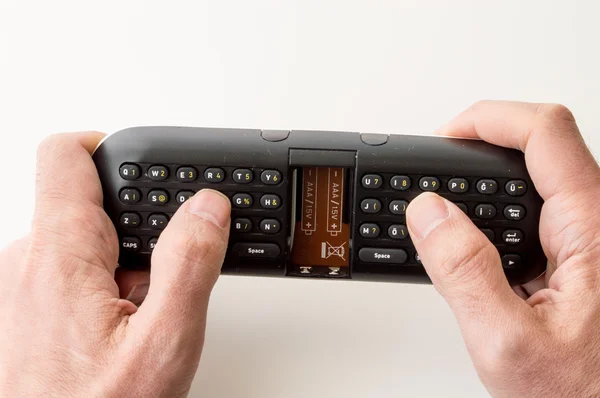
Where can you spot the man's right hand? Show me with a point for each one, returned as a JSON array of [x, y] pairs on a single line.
[[549, 344]]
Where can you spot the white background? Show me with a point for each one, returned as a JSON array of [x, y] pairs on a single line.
[[370, 66]]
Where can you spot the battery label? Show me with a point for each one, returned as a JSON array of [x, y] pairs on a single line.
[[335, 200], [323, 236], [309, 204]]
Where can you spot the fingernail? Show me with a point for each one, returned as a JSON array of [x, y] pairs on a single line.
[[425, 213], [138, 294], [212, 206]]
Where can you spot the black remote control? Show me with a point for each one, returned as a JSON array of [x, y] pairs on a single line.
[[318, 203]]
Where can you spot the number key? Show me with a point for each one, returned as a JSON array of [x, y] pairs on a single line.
[[458, 185], [270, 177], [214, 174], [186, 174], [372, 181], [400, 183], [158, 173], [243, 176], [130, 172], [430, 184]]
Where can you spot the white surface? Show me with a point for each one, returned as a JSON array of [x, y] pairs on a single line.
[[376, 66]]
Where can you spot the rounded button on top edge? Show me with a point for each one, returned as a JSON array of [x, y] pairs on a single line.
[[274, 135], [374, 139]]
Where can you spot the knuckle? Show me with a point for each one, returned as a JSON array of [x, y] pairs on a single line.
[[473, 263], [51, 144], [200, 243], [478, 105], [508, 349], [556, 112], [89, 228]]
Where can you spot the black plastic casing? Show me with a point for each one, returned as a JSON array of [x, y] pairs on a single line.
[[230, 149]]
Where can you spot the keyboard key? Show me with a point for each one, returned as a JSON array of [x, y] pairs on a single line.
[[242, 200], [487, 187], [152, 244], [270, 201], [256, 250], [516, 187], [130, 196], [243, 176], [131, 243], [511, 261], [270, 177], [158, 197], [372, 181], [158, 173], [489, 234], [130, 172], [463, 207], [514, 212], [430, 184], [398, 231], [369, 230], [186, 174], [270, 226], [242, 225], [130, 220], [158, 221], [485, 211], [512, 236], [183, 196], [458, 185], [418, 259], [370, 206], [400, 183], [398, 207], [384, 256], [214, 175]]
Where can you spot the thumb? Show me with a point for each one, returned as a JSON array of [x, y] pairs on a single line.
[[462, 263], [186, 263]]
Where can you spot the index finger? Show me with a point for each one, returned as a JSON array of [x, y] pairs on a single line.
[[69, 218], [557, 157]]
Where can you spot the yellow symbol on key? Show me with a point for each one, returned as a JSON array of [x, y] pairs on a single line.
[[218, 175], [162, 198], [274, 202], [247, 176], [275, 178], [246, 201]]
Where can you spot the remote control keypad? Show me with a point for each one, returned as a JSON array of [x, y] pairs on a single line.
[[257, 203], [381, 215]]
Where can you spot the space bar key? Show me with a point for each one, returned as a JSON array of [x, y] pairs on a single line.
[[383, 256]]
